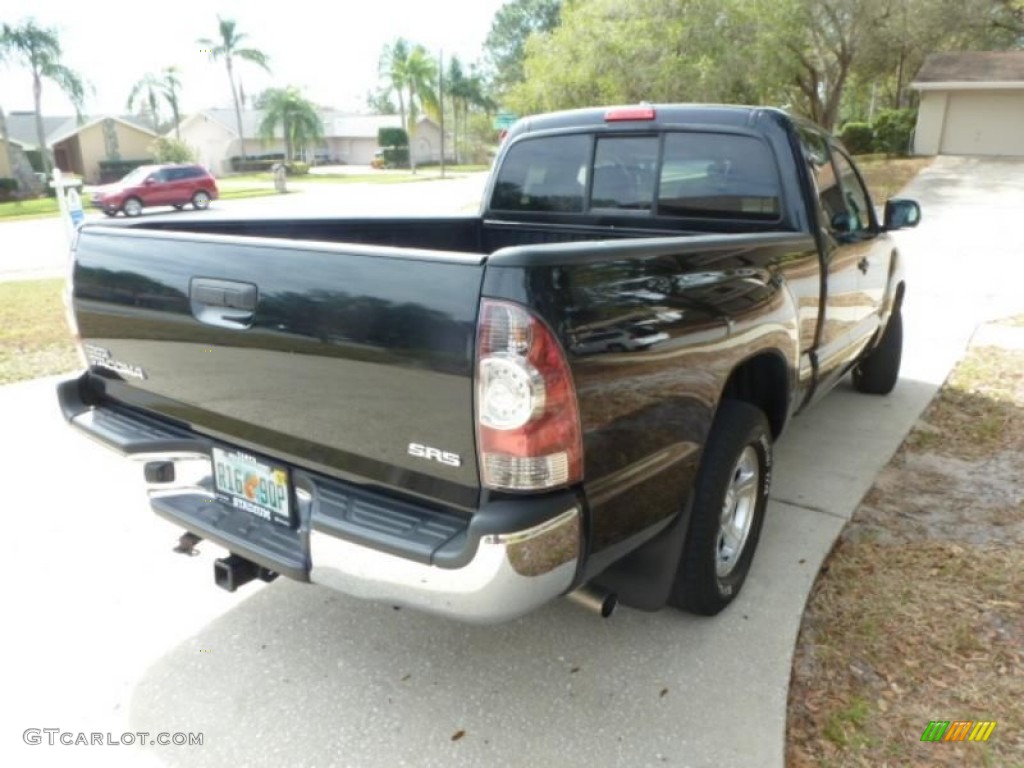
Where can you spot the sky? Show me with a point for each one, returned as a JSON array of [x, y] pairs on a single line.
[[328, 49]]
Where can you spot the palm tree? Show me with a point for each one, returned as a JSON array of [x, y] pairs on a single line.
[[39, 49], [171, 86], [229, 47], [4, 47], [392, 68], [420, 79], [147, 91], [299, 120]]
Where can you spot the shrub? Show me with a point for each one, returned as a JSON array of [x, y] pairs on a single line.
[[35, 159], [115, 170], [396, 157], [893, 130], [8, 189], [392, 137], [297, 169], [167, 150], [255, 163], [859, 138]]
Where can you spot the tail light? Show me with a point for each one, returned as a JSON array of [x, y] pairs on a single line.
[[528, 424]]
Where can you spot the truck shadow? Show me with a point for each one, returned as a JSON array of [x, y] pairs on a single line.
[[301, 675]]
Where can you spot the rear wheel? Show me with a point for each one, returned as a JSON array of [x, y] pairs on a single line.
[[729, 500], [132, 206], [201, 200], [879, 371]]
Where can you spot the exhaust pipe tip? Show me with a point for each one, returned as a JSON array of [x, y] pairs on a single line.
[[600, 601]]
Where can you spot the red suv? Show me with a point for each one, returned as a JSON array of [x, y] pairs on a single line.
[[150, 185]]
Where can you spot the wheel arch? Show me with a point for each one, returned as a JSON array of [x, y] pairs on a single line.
[[762, 380]]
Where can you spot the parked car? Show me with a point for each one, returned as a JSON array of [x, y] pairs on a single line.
[[395, 408], [150, 185]]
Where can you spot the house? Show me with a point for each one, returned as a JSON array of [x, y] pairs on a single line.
[[78, 145], [350, 139], [972, 103]]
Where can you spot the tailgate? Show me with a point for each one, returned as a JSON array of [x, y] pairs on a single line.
[[337, 358]]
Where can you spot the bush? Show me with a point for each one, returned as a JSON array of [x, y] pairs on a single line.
[[296, 169], [893, 130], [35, 159], [395, 157], [8, 189], [255, 163], [392, 137], [115, 170], [172, 151], [858, 138]]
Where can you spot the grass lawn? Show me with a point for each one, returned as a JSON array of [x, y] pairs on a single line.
[[431, 173], [917, 614], [28, 209], [34, 339], [886, 176]]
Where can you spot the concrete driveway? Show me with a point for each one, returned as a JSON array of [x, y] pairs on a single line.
[[107, 631]]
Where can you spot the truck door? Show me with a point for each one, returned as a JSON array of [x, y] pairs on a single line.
[[849, 242], [878, 254]]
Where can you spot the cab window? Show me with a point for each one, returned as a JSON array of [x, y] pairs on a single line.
[[718, 175], [544, 175]]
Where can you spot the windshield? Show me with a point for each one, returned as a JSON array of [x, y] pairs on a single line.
[[137, 176]]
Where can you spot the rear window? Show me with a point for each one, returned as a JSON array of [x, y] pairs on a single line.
[[718, 175], [699, 175]]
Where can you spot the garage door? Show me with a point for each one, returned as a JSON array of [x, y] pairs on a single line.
[[984, 123]]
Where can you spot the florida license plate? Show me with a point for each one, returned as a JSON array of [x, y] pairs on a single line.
[[245, 482]]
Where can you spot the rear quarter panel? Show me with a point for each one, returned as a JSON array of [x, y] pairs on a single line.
[[694, 308]]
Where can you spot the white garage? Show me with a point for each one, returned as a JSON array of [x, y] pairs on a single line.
[[972, 103]]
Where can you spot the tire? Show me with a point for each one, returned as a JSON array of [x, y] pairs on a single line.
[[132, 206], [201, 200], [878, 372], [729, 500]]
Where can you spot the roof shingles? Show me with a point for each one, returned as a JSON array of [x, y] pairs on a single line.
[[973, 67]]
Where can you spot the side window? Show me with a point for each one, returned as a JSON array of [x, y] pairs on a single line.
[[544, 175], [830, 195], [624, 171], [858, 202]]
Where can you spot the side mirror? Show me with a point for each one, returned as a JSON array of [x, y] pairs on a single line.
[[149, 180], [842, 223], [900, 214]]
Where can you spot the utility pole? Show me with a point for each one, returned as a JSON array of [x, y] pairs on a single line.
[[440, 98]]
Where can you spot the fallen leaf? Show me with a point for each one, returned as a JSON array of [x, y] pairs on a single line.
[[664, 693], [458, 735]]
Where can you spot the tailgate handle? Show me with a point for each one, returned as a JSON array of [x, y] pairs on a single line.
[[225, 303]]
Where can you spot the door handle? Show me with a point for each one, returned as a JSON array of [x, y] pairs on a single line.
[[224, 303], [863, 265]]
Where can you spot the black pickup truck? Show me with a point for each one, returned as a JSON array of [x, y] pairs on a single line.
[[573, 393]]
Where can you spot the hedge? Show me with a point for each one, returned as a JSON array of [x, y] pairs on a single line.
[[115, 170], [859, 138]]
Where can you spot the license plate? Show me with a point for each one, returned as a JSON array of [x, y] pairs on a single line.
[[245, 482]]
